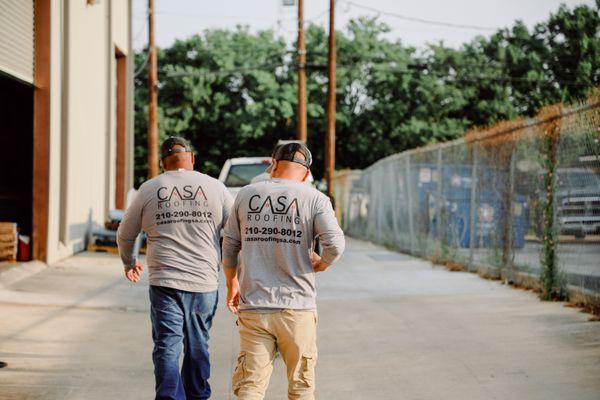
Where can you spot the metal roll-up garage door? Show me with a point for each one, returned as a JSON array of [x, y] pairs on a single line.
[[16, 38]]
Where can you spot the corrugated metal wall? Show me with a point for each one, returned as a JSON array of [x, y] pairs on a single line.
[[16, 38]]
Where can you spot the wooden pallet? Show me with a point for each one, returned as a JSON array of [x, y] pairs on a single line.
[[9, 240], [102, 249], [108, 249]]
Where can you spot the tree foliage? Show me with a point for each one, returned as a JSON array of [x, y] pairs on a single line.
[[233, 92]]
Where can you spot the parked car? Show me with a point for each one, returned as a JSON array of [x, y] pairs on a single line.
[[578, 201], [238, 172]]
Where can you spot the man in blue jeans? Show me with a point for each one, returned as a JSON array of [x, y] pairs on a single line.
[[182, 212]]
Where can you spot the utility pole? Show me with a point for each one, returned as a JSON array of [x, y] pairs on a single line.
[[330, 138], [152, 97], [301, 134]]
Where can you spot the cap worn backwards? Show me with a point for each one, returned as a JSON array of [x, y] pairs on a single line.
[[168, 145], [289, 151]]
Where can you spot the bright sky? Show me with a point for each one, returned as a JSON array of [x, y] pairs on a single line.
[[178, 19]]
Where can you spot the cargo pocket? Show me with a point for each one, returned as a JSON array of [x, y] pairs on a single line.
[[307, 371], [239, 374]]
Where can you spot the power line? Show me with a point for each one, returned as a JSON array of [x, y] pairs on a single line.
[[494, 65], [412, 69], [317, 16], [263, 67], [141, 30], [280, 27], [465, 78], [188, 15], [142, 65], [519, 79], [421, 20]]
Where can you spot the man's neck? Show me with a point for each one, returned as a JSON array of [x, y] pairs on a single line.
[[289, 177], [179, 168]]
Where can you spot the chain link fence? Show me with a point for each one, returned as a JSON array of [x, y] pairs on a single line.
[[519, 201]]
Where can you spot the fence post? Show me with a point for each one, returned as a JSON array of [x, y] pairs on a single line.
[[378, 203], [553, 282], [394, 168], [410, 205], [473, 209], [440, 205], [508, 237]]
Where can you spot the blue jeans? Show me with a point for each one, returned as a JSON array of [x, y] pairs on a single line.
[[181, 320]]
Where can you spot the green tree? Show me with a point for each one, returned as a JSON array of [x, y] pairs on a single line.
[[233, 92]]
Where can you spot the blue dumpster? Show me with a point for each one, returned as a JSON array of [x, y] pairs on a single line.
[[490, 215]]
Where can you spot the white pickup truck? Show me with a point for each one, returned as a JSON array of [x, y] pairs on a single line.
[[578, 201], [238, 172]]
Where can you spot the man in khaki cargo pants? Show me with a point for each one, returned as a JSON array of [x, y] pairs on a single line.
[[274, 223]]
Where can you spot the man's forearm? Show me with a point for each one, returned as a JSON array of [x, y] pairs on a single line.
[[230, 275], [231, 250], [330, 234], [332, 245], [128, 231], [126, 252]]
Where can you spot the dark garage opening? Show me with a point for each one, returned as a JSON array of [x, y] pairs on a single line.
[[16, 153]]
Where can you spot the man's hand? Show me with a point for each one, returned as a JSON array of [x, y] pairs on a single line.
[[233, 295], [315, 259], [318, 264], [134, 274]]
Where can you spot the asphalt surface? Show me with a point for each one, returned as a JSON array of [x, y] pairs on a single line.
[[390, 327]]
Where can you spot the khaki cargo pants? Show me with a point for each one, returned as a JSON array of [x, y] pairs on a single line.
[[294, 334]]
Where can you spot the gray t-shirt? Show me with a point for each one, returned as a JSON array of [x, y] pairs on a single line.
[[182, 213], [275, 223]]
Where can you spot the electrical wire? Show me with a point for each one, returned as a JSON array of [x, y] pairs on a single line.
[[140, 31], [381, 62], [135, 37], [263, 67], [186, 15], [317, 16], [142, 65], [414, 68], [473, 78], [420, 20]]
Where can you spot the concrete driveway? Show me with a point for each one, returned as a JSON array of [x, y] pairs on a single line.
[[390, 327]]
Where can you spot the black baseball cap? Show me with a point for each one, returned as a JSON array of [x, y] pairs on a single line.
[[288, 151], [167, 146]]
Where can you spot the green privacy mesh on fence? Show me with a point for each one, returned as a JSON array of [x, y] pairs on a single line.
[[520, 200]]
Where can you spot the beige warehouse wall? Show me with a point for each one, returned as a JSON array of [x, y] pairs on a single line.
[[89, 151], [129, 147], [87, 121], [120, 24], [119, 38], [111, 124], [122, 39], [54, 250]]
